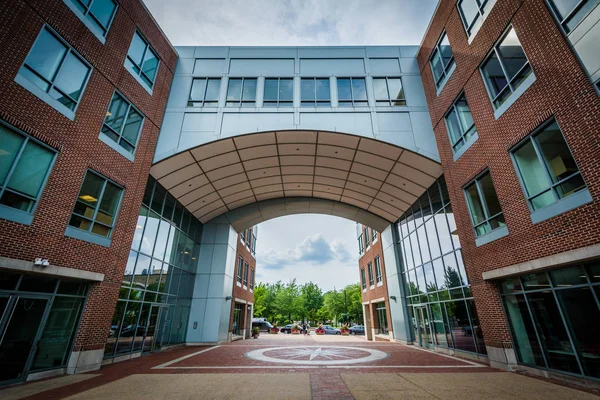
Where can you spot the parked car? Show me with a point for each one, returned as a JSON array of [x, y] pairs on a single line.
[[357, 330], [263, 326], [288, 328], [330, 330]]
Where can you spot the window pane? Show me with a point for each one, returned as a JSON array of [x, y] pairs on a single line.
[[461, 327], [103, 11], [513, 56], [136, 50], [286, 89], [115, 116], [72, 76], [577, 17], [359, 89], [322, 89], [469, 11], [556, 153], [234, 91], [568, 276], [109, 203], [46, 55], [475, 205], [454, 126], [198, 89], [564, 7], [526, 344], [396, 91], [445, 51], [344, 90], [464, 114], [10, 143], [271, 89], [132, 127], [31, 169], [453, 275], [213, 89], [307, 89], [489, 194], [150, 64], [90, 190], [494, 75], [380, 89], [249, 89], [437, 66], [532, 172]]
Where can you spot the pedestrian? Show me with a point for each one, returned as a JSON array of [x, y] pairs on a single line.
[[304, 328], [308, 328]]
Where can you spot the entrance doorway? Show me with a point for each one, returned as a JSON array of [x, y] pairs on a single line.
[[20, 330], [422, 327]]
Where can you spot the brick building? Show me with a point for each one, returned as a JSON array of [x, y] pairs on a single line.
[[375, 300], [83, 96], [243, 285], [516, 117]]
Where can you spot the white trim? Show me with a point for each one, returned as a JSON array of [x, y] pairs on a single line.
[[55, 270], [514, 96]]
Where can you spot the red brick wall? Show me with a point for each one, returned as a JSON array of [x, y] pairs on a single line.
[[562, 89], [377, 292], [240, 292], [78, 145]]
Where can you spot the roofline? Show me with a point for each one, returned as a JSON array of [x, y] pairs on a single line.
[[159, 27], [429, 25]]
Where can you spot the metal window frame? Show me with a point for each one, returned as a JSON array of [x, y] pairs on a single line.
[[316, 102], [378, 271], [551, 186], [252, 271], [510, 81], [563, 22], [203, 100], [88, 14], [363, 277], [241, 101], [120, 134], [240, 271], [279, 100], [486, 211], [462, 140], [367, 237], [97, 208], [447, 67], [361, 248], [353, 101], [480, 13], [51, 85], [389, 97], [568, 329], [13, 166], [371, 276], [139, 67], [246, 267]]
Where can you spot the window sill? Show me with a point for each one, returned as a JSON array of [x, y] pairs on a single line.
[[12, 214], [140, 81], [245, 287], [87, 236], [115, 146], [563, 205], [380, 284], [365, 290], [371, 287], [446, 79], [491, 236], [45, 97], [86, 22], [466, 146], [515, 95], [238, 284]]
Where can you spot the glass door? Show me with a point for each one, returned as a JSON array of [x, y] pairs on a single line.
[[19, 334], [152, 339], [424, 327]]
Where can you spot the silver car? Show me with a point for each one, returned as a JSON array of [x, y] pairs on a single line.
[[330, 330]]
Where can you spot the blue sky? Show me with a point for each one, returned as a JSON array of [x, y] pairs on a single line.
[[317, 248]]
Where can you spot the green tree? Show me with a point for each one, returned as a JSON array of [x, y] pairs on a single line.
[[312, 300], [287, 301]]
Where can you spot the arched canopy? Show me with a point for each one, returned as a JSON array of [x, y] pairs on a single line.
[[368, 175]]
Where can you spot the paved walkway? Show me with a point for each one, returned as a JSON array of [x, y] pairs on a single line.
[[296, 367]]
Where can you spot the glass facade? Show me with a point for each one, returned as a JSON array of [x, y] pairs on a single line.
[[38, 314], [553, 317], [437, 290], [570, 13], [155, 295]]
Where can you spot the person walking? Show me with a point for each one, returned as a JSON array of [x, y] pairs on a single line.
[[304, 328]]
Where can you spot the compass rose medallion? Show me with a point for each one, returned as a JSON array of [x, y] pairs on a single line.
[[316, 355]]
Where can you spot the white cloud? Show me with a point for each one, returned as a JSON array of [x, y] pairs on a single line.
[[291, 22]]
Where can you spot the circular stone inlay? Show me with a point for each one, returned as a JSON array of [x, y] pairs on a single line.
[[316, 355]]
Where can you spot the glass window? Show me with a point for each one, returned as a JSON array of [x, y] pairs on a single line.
[[367, 237], [97, 204], [378, 272], [472, 13], [484, 207], [315, 92], [252, 279], [361, 244], [460, 325], [547, 169], [56, 68], [570, 13], [460, 124], [352, 92], [279, 92], [245, 274], [370, 270], [99, 13], [373, 235], [241, 92], [142, 60], [388, 92], [505, 68], [122, 123], [441, 60], [240, 269], [524, 336], [205, 92], [24, 168], [363, 279]]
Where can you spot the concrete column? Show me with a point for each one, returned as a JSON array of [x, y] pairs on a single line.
[[400, 321], [368, 321], [214, 283], [374, 321]]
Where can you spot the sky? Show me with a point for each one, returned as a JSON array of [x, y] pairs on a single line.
[[317, 248], [292, 22]]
